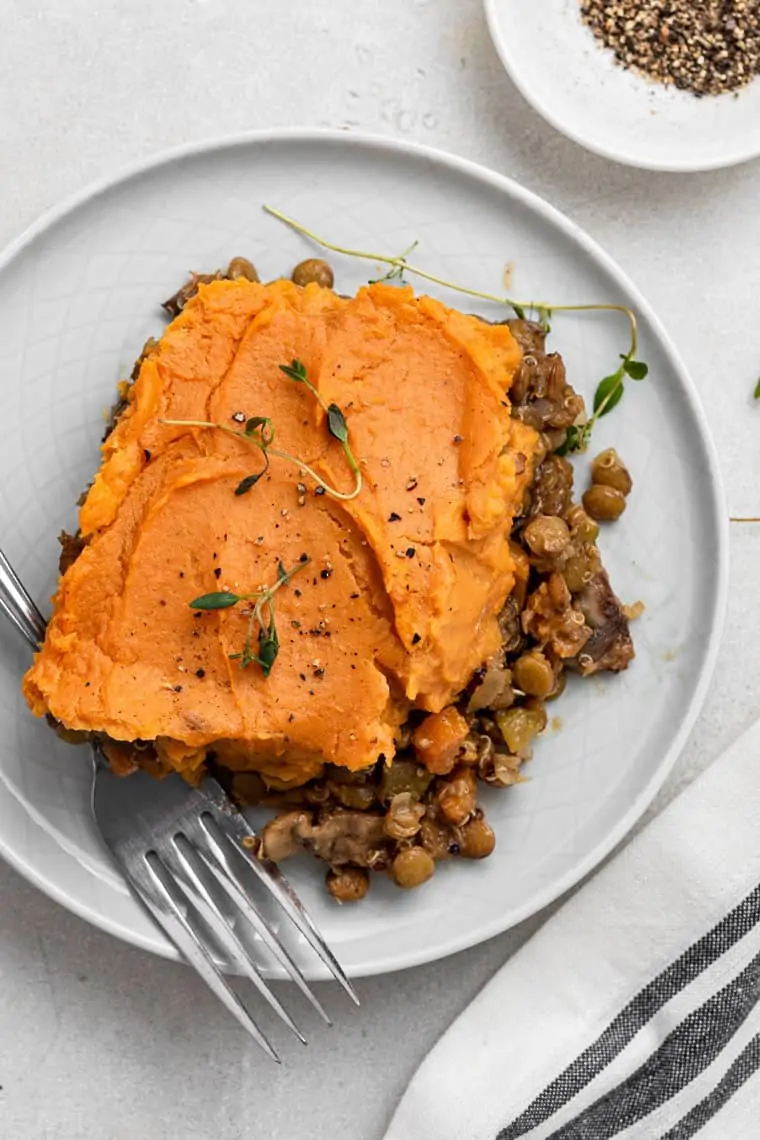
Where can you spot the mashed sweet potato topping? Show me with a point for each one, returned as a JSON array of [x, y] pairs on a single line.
[[399, 601]]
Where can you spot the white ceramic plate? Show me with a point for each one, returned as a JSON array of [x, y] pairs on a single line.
[[575, 83], [79, 294]]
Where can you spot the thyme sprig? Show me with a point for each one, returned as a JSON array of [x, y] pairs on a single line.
[[609, 391], [608, 394], [260, 433], [262, 616], [336, 421]]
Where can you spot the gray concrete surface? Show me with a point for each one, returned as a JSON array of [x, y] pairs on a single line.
[[101, 1041]]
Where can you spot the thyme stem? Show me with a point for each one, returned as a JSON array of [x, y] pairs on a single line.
[[399, 262]]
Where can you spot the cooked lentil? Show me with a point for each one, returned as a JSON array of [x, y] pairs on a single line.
[[609, 470], [708, 48], [313, 270], [533, 674], [604, 503], [348, 884], [412, 867], [478, 839]]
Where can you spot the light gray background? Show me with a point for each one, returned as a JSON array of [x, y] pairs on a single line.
[[100, 1040]]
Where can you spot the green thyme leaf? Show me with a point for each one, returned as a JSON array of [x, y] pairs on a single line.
[[269, 647], [518, 310], [265, 424], [249, 481], [608, 394], [756, 392], [219, 600], [282, 574], [636, 369], [336, 423], [295, 370]]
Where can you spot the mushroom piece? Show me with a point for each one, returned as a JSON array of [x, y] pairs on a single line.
[[610, 645]]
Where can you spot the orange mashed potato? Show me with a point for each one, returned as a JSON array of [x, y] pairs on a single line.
[[399, 602]]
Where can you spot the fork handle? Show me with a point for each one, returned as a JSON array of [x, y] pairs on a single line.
[[17, 605]]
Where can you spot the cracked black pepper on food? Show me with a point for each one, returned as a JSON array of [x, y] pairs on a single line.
[[708, 48]]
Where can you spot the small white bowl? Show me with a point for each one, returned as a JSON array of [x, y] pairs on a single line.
[[574, 82]]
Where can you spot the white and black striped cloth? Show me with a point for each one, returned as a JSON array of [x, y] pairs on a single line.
[[634, 1012]]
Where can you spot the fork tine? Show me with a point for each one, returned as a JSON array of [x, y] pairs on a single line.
[[228, 876], [204, 882], [276, 883], [18, 605], [20, 621], [171, 908]]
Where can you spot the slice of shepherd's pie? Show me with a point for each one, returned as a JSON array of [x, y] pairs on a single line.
[[298, 545]]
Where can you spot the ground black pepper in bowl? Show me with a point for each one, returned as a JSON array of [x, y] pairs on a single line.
[[709, 47]]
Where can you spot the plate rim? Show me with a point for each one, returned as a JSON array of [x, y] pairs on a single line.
[[685, 166], [558, 220], [29, 871]]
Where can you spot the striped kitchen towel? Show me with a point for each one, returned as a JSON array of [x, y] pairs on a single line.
[[633, 1013]]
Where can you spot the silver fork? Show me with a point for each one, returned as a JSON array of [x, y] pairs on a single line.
[[188, 856]]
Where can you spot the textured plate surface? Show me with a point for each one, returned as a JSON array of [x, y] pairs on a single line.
[[78, 296], [574, 82]]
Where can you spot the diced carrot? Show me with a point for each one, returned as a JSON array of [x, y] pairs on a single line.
[[438, 739]]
